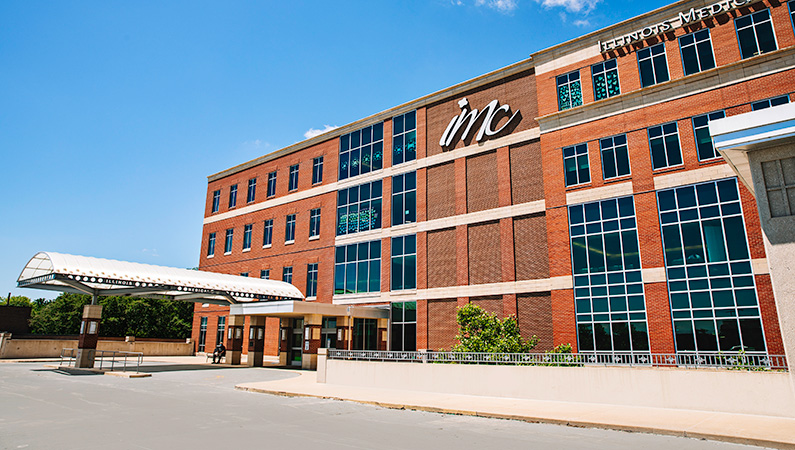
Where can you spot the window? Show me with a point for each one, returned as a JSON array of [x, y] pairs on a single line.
[[755, 34], [219, 331], [267, 235], [357, 268], [247, 236], [706, 150], [769, 103], [605, 80], [328, 333], [696, 51], [404, 262], [289, 229], [252, 190], [361, 151], [404, 198], [287, 274], [202, 333], [608, 286], [314, 222], [569, 91], [653, 65], [311, 280], [211, 245], [228, 243], [216, 201], [359, 208], [792, 12], [779, 179], [577, 167], [365, 334], [664, 145], [293, 180], [271, 184], [615, 156], [404, 138], [404, 327], [708, 267], [244, 274], [317, 170], [233, 196], [265, 274]]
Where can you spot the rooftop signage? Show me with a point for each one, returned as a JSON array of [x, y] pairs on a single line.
[[491, 114], [683, 18]]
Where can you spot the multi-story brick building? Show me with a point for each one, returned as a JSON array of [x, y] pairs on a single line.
[[578, 190]]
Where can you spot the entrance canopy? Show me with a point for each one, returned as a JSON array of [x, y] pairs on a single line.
[[107, 277]]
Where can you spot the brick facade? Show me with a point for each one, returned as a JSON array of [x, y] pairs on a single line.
[[492, 224]]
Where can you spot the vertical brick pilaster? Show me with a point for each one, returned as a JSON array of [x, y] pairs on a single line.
[[460, 170], [563, 321], [507, 250], [386, 264], [649, 239], [422, 133], [422, 324], [767, 308], [387, 143], [462, 255], [422, 260], [658, 313]]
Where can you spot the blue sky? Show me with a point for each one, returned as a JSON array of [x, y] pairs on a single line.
[[113, 113]]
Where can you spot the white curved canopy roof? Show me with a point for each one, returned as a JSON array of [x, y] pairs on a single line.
[[106, 277]]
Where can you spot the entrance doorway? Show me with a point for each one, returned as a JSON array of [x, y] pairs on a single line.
[[296, 343]]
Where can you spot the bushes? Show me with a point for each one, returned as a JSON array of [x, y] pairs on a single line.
[[483, 332]]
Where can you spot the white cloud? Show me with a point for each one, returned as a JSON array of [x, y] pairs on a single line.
[[575, 6], [313, 132], [151, 252], [582, 23], [504, 6]]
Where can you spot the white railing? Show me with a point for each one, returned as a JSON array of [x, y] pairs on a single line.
[[105, 358], [735, 361]]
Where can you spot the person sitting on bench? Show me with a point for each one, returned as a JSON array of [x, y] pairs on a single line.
[[219, 352]]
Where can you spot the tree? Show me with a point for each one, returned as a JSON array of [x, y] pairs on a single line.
[[121, 316], [483, 332]]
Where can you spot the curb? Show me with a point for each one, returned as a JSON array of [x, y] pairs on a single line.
[[537, 419], [76, 371]]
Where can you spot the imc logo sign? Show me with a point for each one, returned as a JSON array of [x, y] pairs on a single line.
[[486, 122]]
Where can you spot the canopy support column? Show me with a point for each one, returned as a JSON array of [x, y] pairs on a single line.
[[256, 341], [234, 339], [89, 334]]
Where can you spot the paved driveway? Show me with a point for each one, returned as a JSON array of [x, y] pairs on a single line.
[[196, 407]]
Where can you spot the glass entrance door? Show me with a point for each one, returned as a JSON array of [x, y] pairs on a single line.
[[296, 342]]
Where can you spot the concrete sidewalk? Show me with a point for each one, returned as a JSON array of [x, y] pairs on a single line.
[[768, 431]]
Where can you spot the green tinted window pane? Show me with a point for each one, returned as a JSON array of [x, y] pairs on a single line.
[[690, 60], [704, 144], [618, 304], [691, 237], [583, 305], [397, 312], [613, 251], [745, 297], [620, 336], [599, 305], [683, 329], [563, 97], [722, 299], [640, 336], [673, 246], [680, 301], [411, 311], [579, 255], [576, 94], [631, 253], [375, 276], [735, 238], [410, 272], [706, 338], [585, 336], [361, 277], [728, 335], [596, 259], [713, 238], [602, 336], [600, 87], [350, 278], [752, 337], [700, 300], [673, 152], [339, 279], [397, 273]]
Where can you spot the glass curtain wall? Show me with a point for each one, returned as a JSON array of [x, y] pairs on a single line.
[[710, 281], [608, 287]]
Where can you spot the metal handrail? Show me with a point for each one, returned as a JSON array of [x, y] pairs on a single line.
[[102, 355], [733, 361]]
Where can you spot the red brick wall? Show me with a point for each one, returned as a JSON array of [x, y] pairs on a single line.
[[442, 327], [527, 180], [441, 191], [517, 91], [530, 245], [441, 258], [484, 253], [491, 304], [482, 182], [535, 318]]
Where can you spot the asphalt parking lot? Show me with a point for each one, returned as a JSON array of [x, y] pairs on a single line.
[[196, 406]]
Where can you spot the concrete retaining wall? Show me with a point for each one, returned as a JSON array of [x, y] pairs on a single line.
[[51, 348], [764, 393]]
